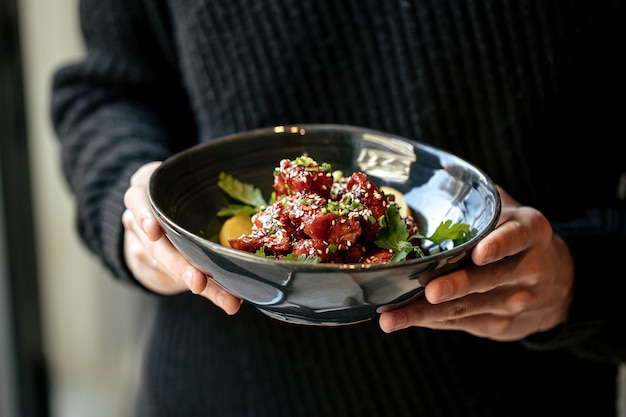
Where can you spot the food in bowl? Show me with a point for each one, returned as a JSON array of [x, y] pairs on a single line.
[[439, 187], [319, 215]]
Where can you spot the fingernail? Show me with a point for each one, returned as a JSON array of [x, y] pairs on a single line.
[[490, 252], [399, 320], [188, 278], [219, 299], [145, 224], [445, 289]]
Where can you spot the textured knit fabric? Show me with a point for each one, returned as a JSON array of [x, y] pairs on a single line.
[[530, 91]]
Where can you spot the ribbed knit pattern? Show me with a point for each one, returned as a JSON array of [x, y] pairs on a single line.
[[524, 89]]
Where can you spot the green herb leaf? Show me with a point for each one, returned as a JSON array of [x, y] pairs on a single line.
[[456, 232], [240, 191], [393, 231], [394, 235], [310, 259], [234, 209]]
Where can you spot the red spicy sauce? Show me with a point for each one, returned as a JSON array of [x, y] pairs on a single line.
[[314, 216]]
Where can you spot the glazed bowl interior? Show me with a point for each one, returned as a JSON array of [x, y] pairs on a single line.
[[438, 186]]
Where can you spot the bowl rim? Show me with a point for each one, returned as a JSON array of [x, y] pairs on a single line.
[[305, 266]]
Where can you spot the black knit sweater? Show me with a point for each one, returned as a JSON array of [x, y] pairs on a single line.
[[530, 91]]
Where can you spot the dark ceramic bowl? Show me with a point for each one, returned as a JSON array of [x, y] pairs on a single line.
[[438, 186]]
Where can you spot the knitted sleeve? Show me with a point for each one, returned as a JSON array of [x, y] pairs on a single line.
[[114, 111]]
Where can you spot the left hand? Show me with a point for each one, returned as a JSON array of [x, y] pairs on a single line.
[[153, 259], [520, 283]]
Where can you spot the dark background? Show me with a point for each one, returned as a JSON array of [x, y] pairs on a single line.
[[23, 382]]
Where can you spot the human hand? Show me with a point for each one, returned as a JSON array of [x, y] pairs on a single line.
[[520, 283], [152, 258]]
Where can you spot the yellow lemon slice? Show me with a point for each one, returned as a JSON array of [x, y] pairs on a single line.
[[404, 211], [238, 225]]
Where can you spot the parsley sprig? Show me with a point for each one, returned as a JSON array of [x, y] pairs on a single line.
[[394, 235], [308, 259]]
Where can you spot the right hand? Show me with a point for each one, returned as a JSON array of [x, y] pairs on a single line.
[[520, 282], [152, 258]]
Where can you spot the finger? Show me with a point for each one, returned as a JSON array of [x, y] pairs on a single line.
[[196, 281], [153, 257], [488, 315], [151, 227], [162, 269], [136, 200], [162, 255], [503, 301], [145, 268], [475, 279], [459, 284], [222, 298], [172, 262], [142, 175], [487, 325], [521, 228]]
